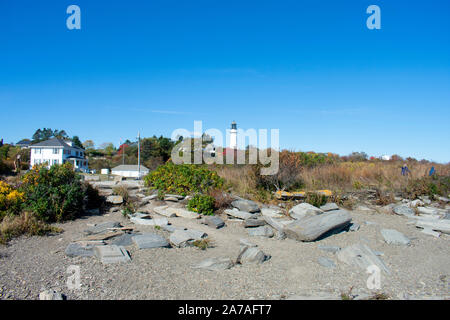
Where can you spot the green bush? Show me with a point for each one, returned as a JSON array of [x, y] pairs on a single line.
[[203, 204], [431, 186], [54, 194], [315, 199], [183, 179]]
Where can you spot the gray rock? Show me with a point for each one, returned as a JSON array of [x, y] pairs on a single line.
[[264, 231], [354, 226], [102, 227], [428, 210], [95, 211], [313, 227], [171, 228], [111, 254], [329, 207], [404, 210], [361, 256], [180, 212], [240, 214], [162, 210], [245, 205], [325, 262], [332, 249], [272, 212], [114, 199], [196, 234], [214, 222], [442, 225], [250, 223], [176, 196], [392, 236], [447, 216], [124, 240], [444, 199], [150, 240], [215, 264], [149, 222], [172, 199], [251, 255], [76, 249], [50, 295], [182, 238], [304, 210]]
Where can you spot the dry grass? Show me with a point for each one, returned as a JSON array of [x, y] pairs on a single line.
[[25, 223]]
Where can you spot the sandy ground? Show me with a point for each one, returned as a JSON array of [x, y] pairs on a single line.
[[29, 265]]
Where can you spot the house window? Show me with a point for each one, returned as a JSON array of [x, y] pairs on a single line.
[[55, 161], [55, 151], [37, 150]]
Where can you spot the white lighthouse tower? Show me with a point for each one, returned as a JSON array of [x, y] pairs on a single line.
[[233, 136]]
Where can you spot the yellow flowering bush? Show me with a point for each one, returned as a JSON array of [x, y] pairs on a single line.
[[11, 200]]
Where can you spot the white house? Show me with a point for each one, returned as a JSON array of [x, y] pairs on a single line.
[[58, 151], [130, 171]]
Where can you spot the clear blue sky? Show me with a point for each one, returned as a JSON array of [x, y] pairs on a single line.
[[311, 69]]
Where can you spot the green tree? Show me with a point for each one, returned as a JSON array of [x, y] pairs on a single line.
[[76, 142]]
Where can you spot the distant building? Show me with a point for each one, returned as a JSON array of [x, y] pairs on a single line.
[[386, 157], [24, 143], [233, 135], [130, 171], [58, 151]]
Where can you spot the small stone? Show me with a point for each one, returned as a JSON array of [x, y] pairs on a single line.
[[246, 243], [404, 210], [354, 226], [251, 255], [50, 295], [213, 221], [332, 249], [245, 205], [111, 254], [240, 214], [250, 223], [114, 199], [162, 210]]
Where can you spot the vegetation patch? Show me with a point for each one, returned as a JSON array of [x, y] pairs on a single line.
[[202, 204]]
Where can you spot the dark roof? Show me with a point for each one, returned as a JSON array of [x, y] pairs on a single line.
[[54, 142], [24, 142]]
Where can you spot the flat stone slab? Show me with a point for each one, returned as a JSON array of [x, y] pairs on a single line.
[[264, 231], [162, 210], [76, 249], [313, 227], [442, 225], [329, 207], [50, 295], [215, 264], [213, 222], [245, 205], [111, 254], [354, 226], [250, 223], [182, 238], [361, 256], [392, 236], [404, 210], [180, 212], [149, 241], [430, 232], [246, 243], [102, 227], [124, 240], [150, 222], [244, 215], [325, 262], [272, 212], [304, 210], [170, 228]]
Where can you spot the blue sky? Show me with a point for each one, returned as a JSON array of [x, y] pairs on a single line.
[[311, 69]]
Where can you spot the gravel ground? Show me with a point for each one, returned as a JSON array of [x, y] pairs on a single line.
[[29, 265]]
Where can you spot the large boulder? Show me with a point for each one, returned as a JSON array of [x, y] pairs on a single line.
[[245, 205], [304, 210], [312, 227], [251, 254]]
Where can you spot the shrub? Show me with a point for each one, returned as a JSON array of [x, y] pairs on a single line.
[[121, 191], [11, 200], [203, 244], [54, 194], [203, 204], [183, 179], [315, 199], [93, 198], [221, 199]]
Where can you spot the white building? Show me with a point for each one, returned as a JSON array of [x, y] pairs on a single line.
[[58, 151], [130, 171], [233, 136]]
